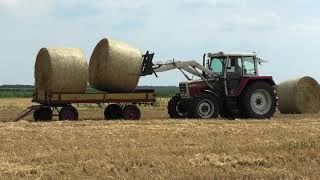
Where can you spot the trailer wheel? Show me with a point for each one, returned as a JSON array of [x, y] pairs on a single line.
[[43, 114], [131, 112], [112, 112], [68, 113]]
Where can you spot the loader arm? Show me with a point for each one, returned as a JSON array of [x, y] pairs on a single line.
[[192, 67]]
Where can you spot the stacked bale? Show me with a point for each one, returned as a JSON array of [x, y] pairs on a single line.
[[115, 66], [61, 70], [299, 96]]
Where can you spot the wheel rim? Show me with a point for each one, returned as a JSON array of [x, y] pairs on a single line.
[[206, 108], [179, 109], [69, 115], [261, 102], [131, 113]]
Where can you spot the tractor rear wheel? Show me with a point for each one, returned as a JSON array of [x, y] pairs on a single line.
[[68, 113], [113, 112], [131, 112], [205, 106], [177, 108], [259, 101], [43, 114]]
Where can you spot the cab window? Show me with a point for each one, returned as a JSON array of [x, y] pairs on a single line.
[[249, 66], [234, 67], [217, 65]]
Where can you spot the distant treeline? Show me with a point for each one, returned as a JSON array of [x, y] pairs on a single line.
[[25, 91], [19, 93], [16, 87]]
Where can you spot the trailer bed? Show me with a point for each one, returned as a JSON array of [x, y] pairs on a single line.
[[138, 96]]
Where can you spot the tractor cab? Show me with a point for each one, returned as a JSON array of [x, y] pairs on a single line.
[[231, 68]]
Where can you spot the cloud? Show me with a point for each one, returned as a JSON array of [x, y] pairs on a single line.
[[264, 21], [313, 26], [220, 3], [305, 28], [9, 4]]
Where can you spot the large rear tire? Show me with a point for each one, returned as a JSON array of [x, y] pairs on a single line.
[[177, 108], [205, 106], [259, 101], [43, 114]]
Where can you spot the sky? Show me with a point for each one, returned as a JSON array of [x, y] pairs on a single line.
[[286, 33]]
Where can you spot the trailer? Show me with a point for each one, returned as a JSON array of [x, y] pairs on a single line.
[[120, 105]]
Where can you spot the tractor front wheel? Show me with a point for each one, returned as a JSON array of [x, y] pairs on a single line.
[[177, 108], [259, 101], [205, 106]]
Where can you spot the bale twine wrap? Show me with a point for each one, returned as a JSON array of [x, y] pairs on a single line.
[[61, 70], [299, 96], [115, 66]]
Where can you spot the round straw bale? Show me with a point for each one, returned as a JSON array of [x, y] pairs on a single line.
[[299, 96], [115, 66], [61, 70]]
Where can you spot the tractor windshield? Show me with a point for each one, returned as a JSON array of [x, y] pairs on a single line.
[[217, 65]]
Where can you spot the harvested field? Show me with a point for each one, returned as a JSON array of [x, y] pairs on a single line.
[[286, 147]]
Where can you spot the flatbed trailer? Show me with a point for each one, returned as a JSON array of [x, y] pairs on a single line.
[[120, 105]]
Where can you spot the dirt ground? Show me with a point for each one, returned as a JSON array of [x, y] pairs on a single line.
[[285, 147]]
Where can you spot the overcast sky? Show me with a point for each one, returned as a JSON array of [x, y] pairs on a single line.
[[284, 32]]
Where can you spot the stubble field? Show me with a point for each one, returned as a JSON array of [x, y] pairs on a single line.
[[285, 147]]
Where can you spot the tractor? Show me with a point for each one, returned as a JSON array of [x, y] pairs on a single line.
[[229, 86]]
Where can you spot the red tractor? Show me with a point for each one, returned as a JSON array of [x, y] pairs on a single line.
[[229, 86]]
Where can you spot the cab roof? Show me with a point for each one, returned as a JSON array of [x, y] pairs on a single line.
[[224, 54]]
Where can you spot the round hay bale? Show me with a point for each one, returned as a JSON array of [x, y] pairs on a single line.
[[299, 96], [61, 70], [115, 66]]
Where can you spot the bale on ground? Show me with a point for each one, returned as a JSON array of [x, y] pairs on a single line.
[[115, 66], [61, 70], [299, 96]]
